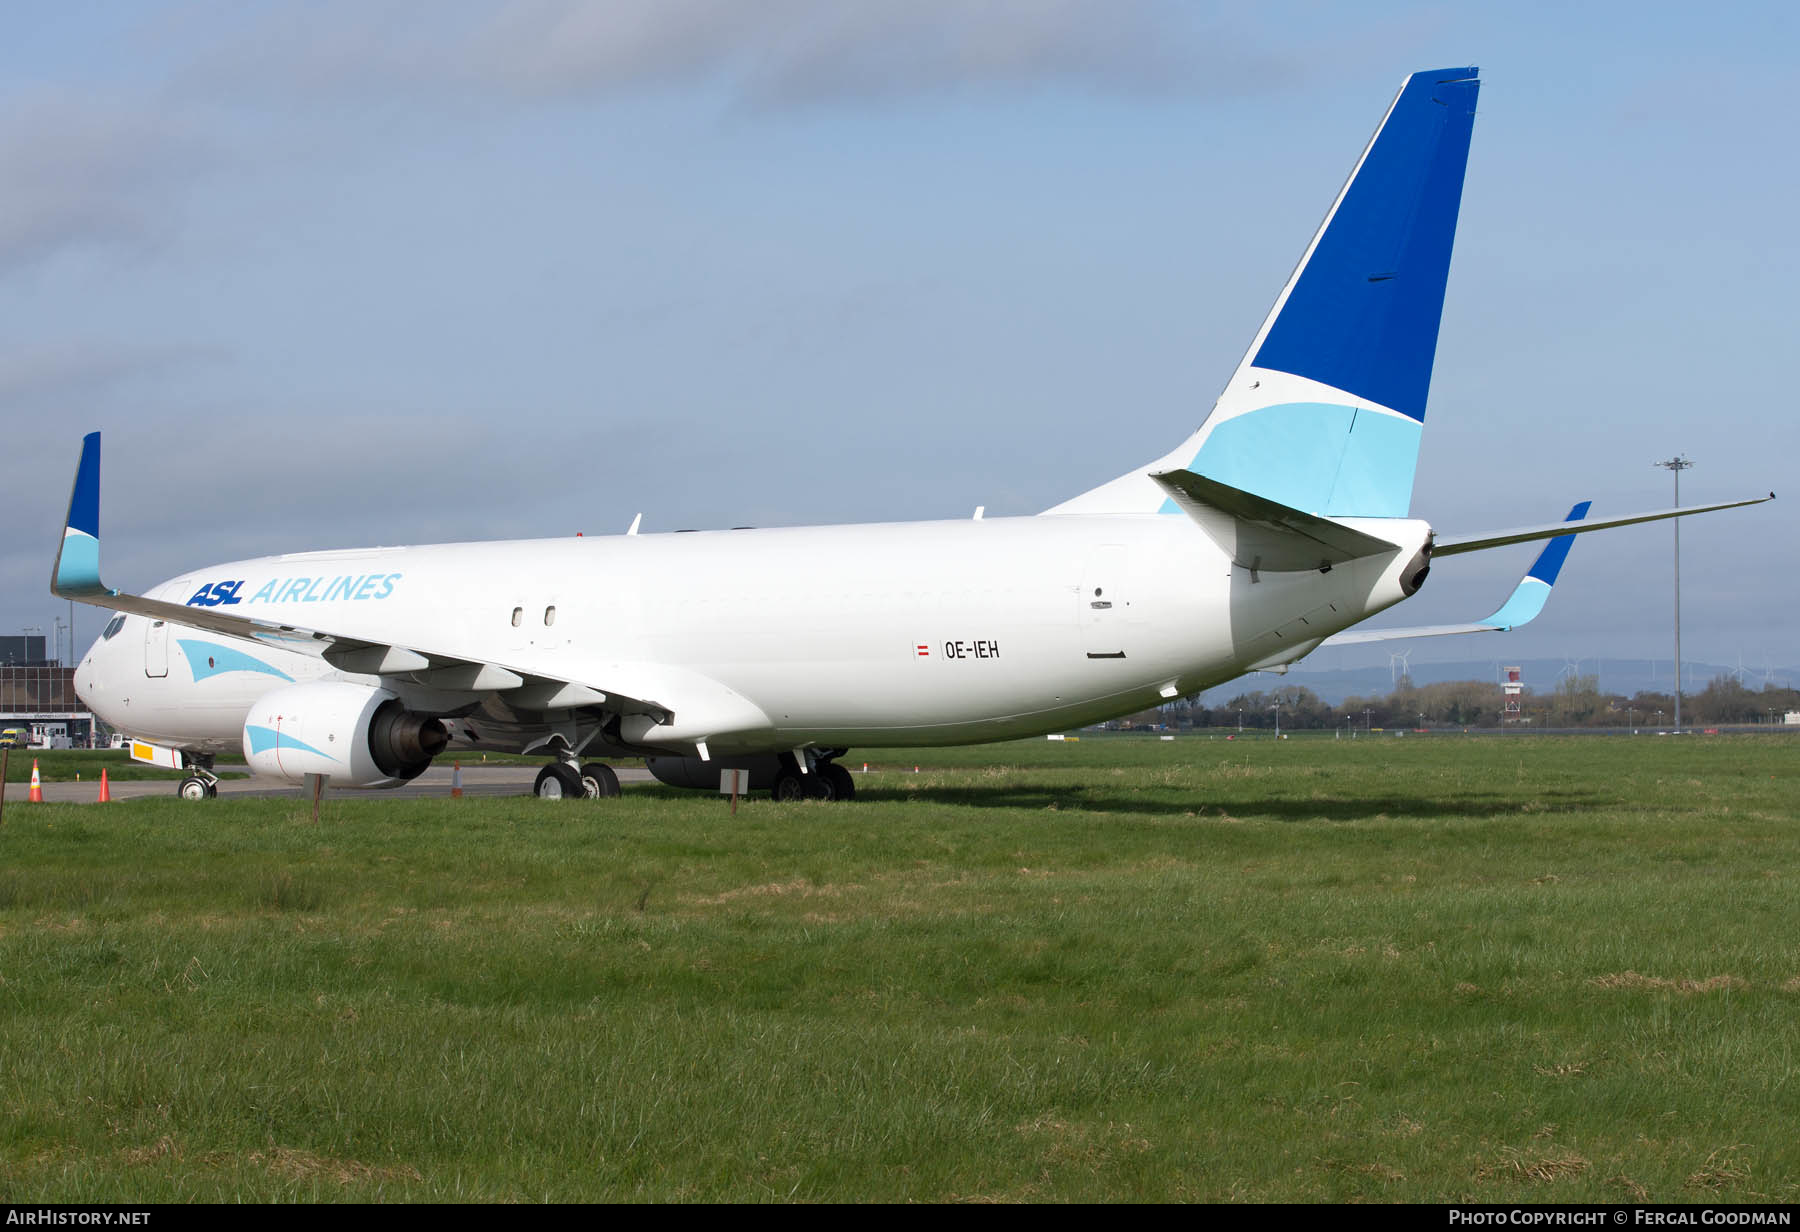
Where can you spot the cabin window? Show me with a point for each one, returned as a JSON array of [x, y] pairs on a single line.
[[550, 615], [518, 615]]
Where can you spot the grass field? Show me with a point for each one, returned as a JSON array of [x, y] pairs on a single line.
[[69, 765], [1522, 969]]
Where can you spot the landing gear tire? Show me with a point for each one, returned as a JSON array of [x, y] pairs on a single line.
[[558, 782], [792, 785], [598, 781], [834, 776], [196, 788]]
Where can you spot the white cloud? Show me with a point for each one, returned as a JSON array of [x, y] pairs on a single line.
[[33, 377], [82, 173], [769, 52]]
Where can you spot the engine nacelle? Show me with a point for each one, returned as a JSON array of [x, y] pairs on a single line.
[[704, 775], [353, 734]]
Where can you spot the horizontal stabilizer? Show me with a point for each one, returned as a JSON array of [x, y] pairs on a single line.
[[1525, 602], [1262, 534], [1446, 545]]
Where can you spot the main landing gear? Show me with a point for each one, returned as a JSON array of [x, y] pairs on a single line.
[[826, 780], [566, 780]]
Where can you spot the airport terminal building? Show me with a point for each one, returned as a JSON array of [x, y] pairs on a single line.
[[37, 695]]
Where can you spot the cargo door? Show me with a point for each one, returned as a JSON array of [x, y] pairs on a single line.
[[1103, 603]]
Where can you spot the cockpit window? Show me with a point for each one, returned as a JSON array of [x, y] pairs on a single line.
[[112, 627]]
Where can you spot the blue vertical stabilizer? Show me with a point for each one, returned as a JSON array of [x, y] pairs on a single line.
[[1362, 314], [1325, 411]]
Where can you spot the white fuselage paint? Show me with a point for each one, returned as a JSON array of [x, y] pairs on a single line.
[[768, 640]]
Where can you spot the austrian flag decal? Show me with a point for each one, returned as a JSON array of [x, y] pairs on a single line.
[[922, 650]]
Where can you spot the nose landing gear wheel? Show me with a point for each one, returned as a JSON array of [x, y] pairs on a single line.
[[196, 788], [558, 782]]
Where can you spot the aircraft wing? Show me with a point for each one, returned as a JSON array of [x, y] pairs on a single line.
[[1525, 602], [76, 575], [1452, 545]]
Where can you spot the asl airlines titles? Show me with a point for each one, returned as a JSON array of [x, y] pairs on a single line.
[[299, 590]]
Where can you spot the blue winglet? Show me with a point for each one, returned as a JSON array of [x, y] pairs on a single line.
[[76, 574], [1533, 590]]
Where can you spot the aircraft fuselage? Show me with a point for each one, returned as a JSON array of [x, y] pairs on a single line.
[[953, 631]]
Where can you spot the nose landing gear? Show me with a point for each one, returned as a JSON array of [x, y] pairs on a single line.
[[201, 783]]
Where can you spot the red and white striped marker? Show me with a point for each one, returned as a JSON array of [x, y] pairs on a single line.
[[456, 781], [37, 784]]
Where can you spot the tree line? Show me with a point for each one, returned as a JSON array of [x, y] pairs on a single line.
[[1576, 701]]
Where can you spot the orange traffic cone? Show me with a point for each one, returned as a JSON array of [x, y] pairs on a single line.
[[37, 784], [105, 788], [456, 782]]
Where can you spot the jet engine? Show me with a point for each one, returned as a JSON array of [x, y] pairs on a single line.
[[354, 734], [704, 775]]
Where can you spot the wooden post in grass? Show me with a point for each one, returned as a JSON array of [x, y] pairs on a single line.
[[731, 781], [5, 756]]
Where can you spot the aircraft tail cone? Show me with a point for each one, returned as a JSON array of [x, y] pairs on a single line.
[[456, 782], [37, 784], [105, 788]]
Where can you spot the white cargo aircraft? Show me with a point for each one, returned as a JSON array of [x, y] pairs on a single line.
[[1273, 529]]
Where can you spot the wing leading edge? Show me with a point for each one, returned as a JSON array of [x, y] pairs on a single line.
[[1454, 545]]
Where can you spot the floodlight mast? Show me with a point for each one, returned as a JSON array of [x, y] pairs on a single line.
[[1677, 464]]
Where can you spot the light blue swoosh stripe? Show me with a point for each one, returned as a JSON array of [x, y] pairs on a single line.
[[210, 659], [264, 738]]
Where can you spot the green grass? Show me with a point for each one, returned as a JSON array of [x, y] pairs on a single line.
[[1518, 969], [66, 765]]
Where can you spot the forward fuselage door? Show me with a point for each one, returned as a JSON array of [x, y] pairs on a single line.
[[156, 649]]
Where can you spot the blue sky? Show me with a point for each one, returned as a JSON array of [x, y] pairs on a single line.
[[334, 274]]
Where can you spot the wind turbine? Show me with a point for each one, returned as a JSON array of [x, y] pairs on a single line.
[[1399, 664], [1738, 671]]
